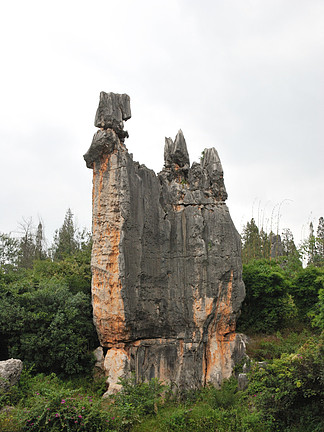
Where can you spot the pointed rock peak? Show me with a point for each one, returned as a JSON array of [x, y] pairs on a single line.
[[168, 151], [180, 152], [210, 157]]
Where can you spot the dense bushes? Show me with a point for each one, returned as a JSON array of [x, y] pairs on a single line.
[[318, 315], [267, 305], [46, 316], [49, 404], [305, 287], [48, 326], [46, 320], [290, 390], [276, 298]]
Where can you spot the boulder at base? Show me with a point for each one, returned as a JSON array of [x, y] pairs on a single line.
[[10, 371]]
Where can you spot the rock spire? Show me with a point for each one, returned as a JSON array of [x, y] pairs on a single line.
[[166, 261]]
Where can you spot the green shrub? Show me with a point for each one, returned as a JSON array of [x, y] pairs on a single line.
[[74, 271], [202, 417], [48, 326], [318, 314], [53, 406], [136, 400], [267, 305], [290, 390], [19, 391], [226, 397], [305, 290], [261, 347]]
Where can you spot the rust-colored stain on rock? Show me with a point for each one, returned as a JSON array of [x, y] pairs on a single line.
[[221, 334], [166, 271], [108, 305]]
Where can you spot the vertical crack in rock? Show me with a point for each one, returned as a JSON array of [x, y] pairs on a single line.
[[166, 261]]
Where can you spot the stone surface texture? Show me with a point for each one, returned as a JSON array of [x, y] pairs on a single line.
[[10, 371], [277, 249], [166, 261]]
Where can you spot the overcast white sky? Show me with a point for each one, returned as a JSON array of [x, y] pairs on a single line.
[[244, 76]]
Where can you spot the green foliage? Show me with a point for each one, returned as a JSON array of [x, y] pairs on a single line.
[[312, 248], [290, 265], [68, 240], [136, 400], [74, 271], [267, 305], [285, 396], [318, 315], [223, 410], [45, 310], [17, 393], [47, 325], [256, 244], [305, 288], [262, 347], [290, 390], [225, 398], [9, 252], [52, 405]]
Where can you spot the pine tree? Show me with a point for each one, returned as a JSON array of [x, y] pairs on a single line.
[[313, 247], [287, 239], [265, 243], [251, 242], [9, 251], [65, 242], [319, 244]]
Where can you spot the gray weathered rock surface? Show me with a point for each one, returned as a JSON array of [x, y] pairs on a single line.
[[10, 371], [277, 249], [112, 110], [242, 381], [166, 263]]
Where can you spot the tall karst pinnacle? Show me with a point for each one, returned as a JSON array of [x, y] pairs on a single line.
[[166, 260]]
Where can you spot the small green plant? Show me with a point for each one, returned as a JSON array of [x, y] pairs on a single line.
[[136, 400], [290, 390], [226, 397], [52, 405], [179, 420]]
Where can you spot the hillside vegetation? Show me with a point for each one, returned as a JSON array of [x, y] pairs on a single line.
[[46, 320]]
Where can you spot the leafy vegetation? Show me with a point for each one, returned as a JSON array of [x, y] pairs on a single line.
[[290, 390], [46, 320], [267, 305], [45, 304]]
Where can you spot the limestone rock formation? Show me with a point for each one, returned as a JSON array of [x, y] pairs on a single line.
[[277, 249], [166, 260], [10, 371]]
